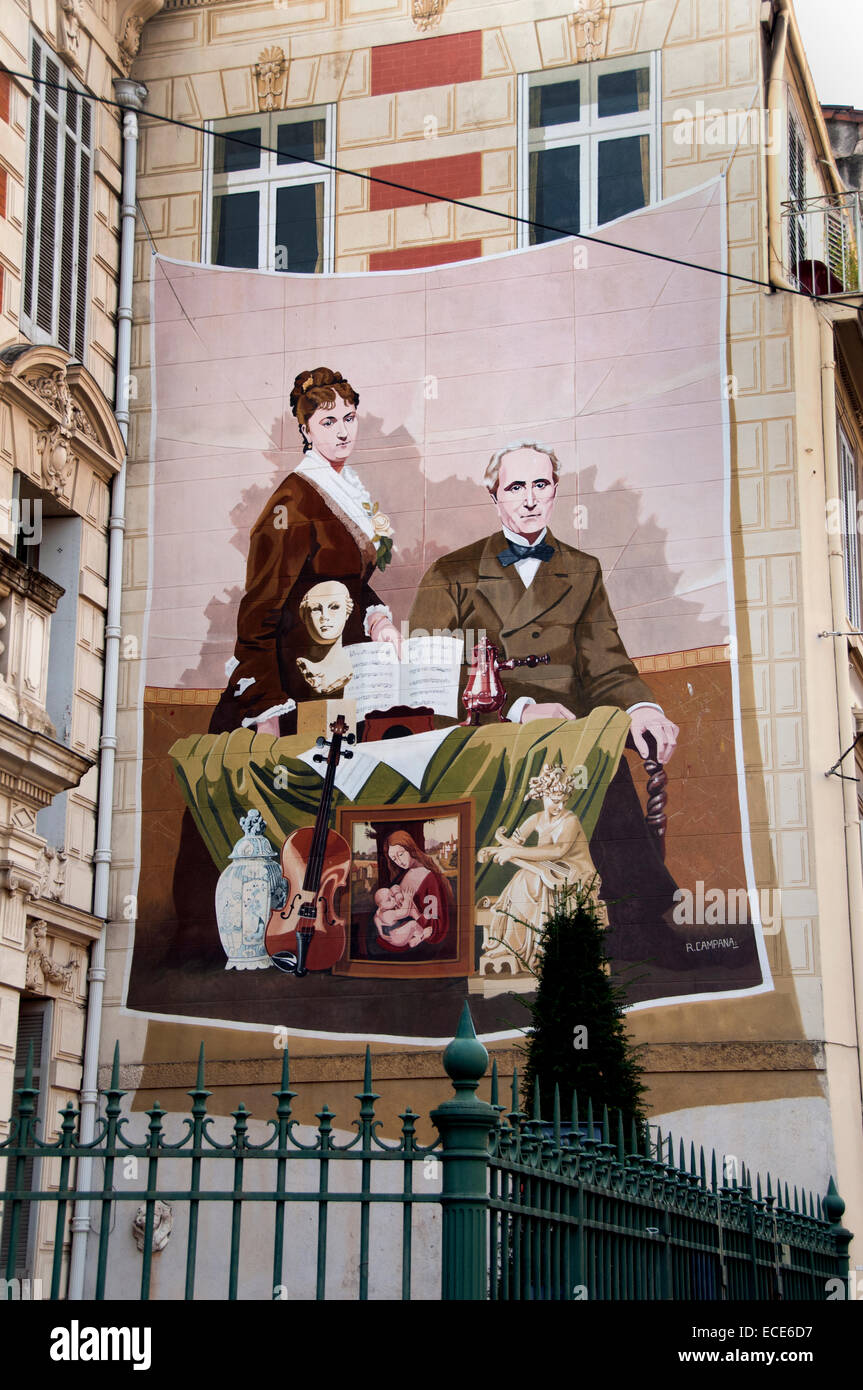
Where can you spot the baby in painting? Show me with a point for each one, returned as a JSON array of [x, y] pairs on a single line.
[[397, 918]]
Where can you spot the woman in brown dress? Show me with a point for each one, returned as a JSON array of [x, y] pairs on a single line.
[[319, 524]]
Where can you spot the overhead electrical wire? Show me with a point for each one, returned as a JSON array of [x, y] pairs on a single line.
[[423, 194]]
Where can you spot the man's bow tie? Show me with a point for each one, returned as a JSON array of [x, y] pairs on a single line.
[[514, 552]]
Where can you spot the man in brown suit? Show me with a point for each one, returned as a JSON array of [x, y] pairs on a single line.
[[530, 592]]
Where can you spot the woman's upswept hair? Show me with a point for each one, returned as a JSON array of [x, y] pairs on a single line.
[[315, 388]]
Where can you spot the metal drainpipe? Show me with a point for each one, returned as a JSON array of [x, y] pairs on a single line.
[[776, 171], [131, 95], [853, 870]]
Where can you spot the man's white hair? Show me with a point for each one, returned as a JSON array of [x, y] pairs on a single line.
[[492, 472]]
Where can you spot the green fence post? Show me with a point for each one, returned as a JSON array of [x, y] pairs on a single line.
[[834, 1210], [464, 1124]]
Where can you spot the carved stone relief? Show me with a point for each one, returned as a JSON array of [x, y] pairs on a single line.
[[58, 460], [163, 1221], [130, 41], [54, 443], [41, 967], [70, 13], [590, 24], [51, 868], [270, 73], [427, 14]]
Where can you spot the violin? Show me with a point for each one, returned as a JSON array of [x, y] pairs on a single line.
[[308, 933]]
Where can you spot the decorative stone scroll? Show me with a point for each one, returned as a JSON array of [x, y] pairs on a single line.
[[130, 26], [129, 41]]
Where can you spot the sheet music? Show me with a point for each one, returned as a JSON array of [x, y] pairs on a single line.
[[431, 669], [376, 682], [428, 674]]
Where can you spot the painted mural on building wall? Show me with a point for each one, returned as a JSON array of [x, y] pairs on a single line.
[[441, 621]]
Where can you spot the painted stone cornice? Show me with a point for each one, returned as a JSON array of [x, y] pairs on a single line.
[[35, 768], [16, 577]]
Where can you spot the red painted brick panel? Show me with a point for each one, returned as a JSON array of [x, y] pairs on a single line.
[[459, 176], [5, 83], [403, 67], [417, 257], [3, 177]]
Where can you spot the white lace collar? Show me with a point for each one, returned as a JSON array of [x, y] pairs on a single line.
[[346, 489]]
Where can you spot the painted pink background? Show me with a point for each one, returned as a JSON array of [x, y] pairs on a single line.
[[616, 360]]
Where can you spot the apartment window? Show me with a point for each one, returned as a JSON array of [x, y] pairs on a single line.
[[589, 145], [57, 227], [850, 542], [269, 206]]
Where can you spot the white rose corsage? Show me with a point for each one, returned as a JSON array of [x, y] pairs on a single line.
[[383, 533]]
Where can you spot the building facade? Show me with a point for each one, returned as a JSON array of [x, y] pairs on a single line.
[[60, 179]]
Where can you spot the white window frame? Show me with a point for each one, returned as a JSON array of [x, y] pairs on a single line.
[[270, 177], [46, 200], [588, 132]]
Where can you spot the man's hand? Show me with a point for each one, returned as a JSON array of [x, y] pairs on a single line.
[[531, 712], [268, 726], [653, 721]]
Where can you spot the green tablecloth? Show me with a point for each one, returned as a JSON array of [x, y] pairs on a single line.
[[223, 776]]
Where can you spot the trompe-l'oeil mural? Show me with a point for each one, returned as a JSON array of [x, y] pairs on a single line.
[[440, 620]]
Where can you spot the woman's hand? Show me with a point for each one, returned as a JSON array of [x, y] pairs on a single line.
[[268, 726], [382, 630]]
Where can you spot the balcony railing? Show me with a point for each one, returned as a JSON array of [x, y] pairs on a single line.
[[821, 244]]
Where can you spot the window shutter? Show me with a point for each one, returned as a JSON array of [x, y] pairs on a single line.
[[67, 245], [32, 1019], [48, 233], [57, 232], [83, 228], [32, 189], [83, 256]]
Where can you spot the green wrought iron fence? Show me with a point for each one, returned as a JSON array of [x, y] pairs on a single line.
[[575, 1213], [523, 1209]]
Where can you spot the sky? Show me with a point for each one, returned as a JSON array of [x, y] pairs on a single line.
[[833, 38]]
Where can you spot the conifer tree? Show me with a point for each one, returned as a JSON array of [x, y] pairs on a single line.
[[578, 1039]]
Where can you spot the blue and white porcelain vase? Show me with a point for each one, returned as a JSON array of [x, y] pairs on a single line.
[[249, 889]]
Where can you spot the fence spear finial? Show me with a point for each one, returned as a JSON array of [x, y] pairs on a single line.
[[465, 1059]]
